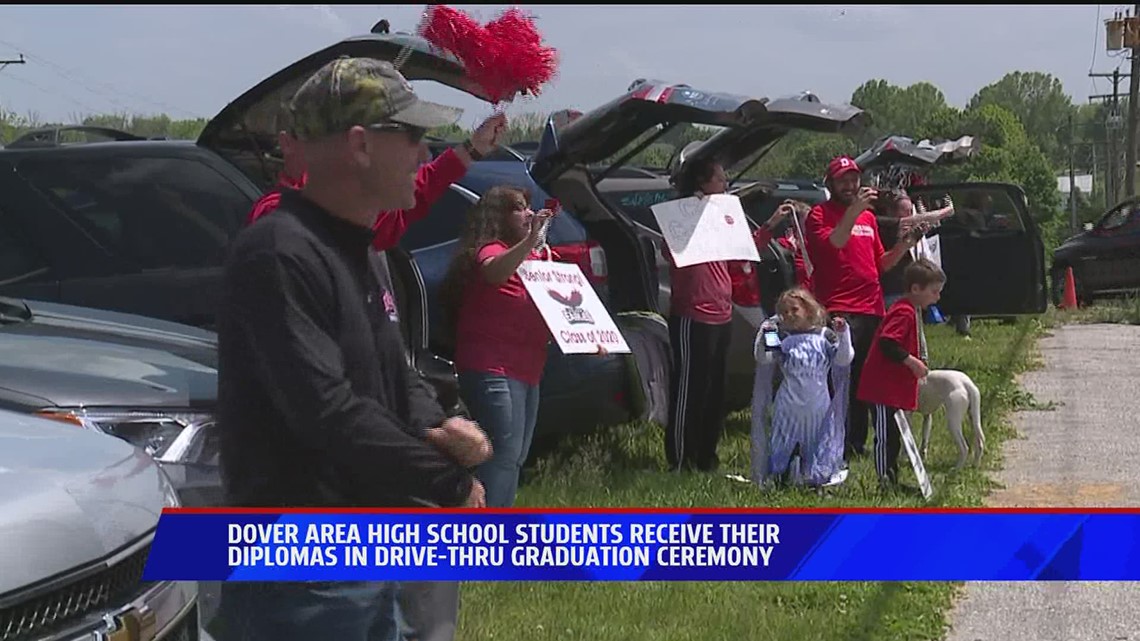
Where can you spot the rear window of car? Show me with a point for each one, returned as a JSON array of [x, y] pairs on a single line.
[[158, 212]]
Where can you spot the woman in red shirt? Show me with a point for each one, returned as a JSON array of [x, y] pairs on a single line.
[[500, 337], [788, 240], [699, 331]]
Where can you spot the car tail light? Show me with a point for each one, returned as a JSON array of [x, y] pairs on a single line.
[[589, 256], [745, 285]]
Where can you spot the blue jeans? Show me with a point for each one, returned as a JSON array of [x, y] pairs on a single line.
[[507, 410], [345, 611]]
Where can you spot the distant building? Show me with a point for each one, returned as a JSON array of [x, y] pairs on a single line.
[[1084, 183]]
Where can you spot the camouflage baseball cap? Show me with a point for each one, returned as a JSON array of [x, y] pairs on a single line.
[[361, 91]]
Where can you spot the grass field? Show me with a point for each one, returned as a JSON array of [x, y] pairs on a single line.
[[624, 466], [1124, 310]]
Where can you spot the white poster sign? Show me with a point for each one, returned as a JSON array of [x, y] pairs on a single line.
[[915, 459], [704, 230], [929, 248], [571, 308]]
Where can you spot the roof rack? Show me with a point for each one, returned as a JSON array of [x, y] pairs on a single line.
[[51, 136]]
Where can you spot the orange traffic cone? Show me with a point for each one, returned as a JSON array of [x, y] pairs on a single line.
[[1069, 300]]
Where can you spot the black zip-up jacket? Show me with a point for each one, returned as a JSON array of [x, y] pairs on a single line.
[[318, 405]]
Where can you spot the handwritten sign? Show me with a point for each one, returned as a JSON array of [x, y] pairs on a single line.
[[571, 308], [704, 230]]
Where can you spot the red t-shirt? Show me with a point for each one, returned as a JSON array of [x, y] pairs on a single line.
[[701, 292], [845, 280], [883, 381], [499, 329], [762, 236], [432, 179]]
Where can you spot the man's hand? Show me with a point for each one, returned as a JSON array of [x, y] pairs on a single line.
[[478, 495], [462, 440], [486, 136], [866, 198], [839, 324]]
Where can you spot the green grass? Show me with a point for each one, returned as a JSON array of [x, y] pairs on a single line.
[[624, 466], [1122, 311]]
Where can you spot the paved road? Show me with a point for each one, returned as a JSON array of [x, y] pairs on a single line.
[[1085, 452]]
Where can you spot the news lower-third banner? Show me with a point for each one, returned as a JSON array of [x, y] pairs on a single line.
[[646, 545]]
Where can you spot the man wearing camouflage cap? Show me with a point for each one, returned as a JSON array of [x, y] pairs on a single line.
[[318, 406]]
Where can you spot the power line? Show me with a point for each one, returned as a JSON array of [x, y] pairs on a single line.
[[1096, 41], [54, 93], [108, 92]]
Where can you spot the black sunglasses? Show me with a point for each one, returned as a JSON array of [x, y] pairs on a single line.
[[414, 134]]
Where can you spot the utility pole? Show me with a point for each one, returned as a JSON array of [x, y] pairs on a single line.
[[5, 63], [1072, 177], [1133, 42], [1112, 125], [1117, 37]]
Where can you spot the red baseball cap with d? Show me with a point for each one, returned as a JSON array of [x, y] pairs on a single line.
[[839, 166]]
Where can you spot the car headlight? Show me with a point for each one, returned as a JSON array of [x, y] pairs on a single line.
[[166, 436]]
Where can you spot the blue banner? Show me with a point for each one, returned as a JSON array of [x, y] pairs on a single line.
[[645, 545]]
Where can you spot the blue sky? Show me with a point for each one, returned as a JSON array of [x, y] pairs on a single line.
[[190, 61]]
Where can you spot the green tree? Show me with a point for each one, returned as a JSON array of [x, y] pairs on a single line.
[[1040, 102], [1008, 155], [898, 111]]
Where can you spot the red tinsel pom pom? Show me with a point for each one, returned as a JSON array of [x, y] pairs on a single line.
[[503, 58]]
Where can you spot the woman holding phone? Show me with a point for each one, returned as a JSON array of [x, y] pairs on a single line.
[[500, 337]]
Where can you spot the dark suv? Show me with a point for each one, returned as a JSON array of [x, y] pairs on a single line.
[[1105, 257]]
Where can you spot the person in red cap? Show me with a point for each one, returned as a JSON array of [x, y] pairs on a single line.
[[432, 179], [847, 253]]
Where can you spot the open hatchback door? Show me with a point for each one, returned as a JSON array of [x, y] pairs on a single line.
[[900, 150], [739, 149], [991, 250], [245, 131]]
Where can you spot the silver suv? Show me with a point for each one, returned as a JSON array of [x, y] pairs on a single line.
[[78, 512]]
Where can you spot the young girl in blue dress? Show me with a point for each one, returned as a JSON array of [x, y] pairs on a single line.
[[808, 420]]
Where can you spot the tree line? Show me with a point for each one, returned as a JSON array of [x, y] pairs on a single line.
[[1027, 124]]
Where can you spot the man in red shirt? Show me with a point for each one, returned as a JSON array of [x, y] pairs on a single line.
[[847, 254], [432, 180], [897, 362]]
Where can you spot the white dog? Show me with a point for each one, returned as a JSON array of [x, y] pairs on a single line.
[[957, 393]]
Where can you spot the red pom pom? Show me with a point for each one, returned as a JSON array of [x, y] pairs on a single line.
[[503, 58]]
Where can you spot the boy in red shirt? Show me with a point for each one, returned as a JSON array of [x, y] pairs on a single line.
[[843, 244], [897, 362]]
